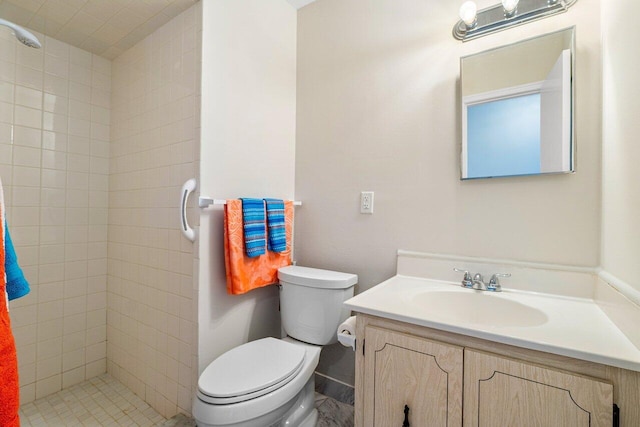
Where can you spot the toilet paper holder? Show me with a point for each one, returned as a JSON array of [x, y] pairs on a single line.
[[347, 333]]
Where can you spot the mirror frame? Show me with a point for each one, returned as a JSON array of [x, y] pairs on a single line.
[[572, 138]]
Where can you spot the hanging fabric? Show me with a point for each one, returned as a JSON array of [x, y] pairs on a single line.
[[9, 386]]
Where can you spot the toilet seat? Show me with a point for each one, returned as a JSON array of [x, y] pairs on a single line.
[[250, 371]]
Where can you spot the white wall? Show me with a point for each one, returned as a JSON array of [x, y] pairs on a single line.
[[621, 150], [378, 109], [247, 150], [54, 163]]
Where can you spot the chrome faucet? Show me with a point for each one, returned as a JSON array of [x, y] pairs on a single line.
[[466, 280], [477, 282]]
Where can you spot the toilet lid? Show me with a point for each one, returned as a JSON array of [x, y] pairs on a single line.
[[250, 371]]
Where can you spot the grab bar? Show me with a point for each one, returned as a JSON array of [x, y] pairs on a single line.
[[187, 189]]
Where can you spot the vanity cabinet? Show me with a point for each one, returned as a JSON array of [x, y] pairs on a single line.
[[504, 392], [430, 371], [404, 371]]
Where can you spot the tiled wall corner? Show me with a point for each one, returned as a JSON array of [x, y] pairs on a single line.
[[54, 163], [152, 308]]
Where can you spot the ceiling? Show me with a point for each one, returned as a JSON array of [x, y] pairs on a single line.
[[104, 27], [300, 3]]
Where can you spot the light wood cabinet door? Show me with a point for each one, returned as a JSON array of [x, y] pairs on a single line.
[[401, 369], [504, 392]]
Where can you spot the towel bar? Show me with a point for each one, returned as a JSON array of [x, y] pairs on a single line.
[[204, 202]]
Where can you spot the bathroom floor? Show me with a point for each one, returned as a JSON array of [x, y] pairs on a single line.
[[332, 413], [103, 401]]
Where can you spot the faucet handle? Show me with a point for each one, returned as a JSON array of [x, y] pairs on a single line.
[[494, 282], [467, 282]]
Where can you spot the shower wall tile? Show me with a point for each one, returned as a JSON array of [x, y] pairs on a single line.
[[151, 303], [31, 58], [49, 123]]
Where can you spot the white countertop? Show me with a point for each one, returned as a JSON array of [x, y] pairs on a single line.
[[567, 326]]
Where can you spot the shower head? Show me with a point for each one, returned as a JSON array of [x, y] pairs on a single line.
[[23, 36]]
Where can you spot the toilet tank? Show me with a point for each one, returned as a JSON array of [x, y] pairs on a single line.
[[311, 300]]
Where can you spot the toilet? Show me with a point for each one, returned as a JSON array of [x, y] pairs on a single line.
[[270, 382]]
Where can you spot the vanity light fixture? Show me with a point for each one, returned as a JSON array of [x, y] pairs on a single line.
[[475, 23]]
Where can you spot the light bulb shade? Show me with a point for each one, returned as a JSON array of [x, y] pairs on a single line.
[[509, 5], [468, 13]]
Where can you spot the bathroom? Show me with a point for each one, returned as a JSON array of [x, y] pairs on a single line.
[[367, 91]]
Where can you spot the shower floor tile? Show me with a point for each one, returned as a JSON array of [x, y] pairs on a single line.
[[104, 402], [100, 401]]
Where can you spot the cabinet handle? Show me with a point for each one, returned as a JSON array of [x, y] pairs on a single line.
[[406, 417]]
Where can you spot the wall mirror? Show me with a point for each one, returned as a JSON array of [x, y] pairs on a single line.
[[517, 108]]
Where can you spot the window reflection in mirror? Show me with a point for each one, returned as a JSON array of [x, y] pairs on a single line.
[[517, 108]]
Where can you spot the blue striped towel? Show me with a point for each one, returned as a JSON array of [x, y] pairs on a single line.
[[253, 222], [17, 285], [277, 241]]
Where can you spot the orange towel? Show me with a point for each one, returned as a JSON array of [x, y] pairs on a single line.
[[244, 273], [9, 387]]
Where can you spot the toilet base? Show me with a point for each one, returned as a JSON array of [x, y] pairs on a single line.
[[303, 413], [311, 419], [298, 412]]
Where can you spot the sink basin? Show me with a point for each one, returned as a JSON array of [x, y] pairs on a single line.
[[571, 325], [479, 308]]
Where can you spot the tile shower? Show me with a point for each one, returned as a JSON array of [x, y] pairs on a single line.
[[92, 156], [154, 149], [54, 160]]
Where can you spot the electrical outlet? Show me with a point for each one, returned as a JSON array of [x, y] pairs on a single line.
[[366, 202]]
